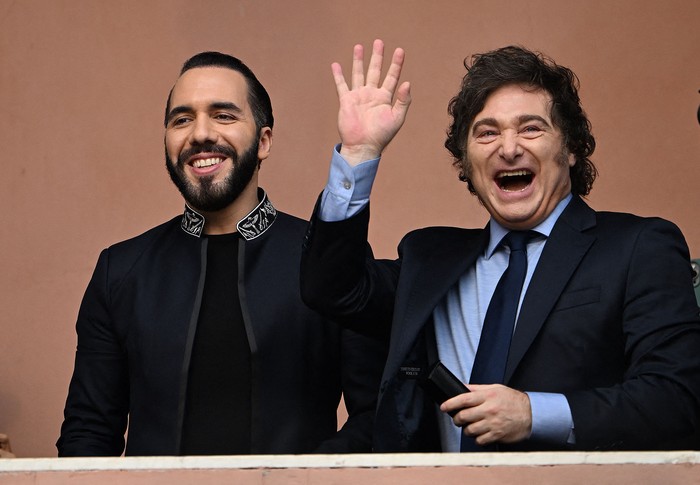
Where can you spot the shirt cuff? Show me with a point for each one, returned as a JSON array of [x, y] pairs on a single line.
[[348, 188], [551, 418]]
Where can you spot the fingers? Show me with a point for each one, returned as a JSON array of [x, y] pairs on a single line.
[[394, 73], [481, 434], [460, 402], [478, 424], [374, 72], [403, 100], [492, 413], [358, 67], [340, 85]]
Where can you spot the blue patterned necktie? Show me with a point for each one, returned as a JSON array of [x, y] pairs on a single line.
[[494, 344]]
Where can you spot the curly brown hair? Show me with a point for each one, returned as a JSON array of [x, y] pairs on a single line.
[[517, 65]]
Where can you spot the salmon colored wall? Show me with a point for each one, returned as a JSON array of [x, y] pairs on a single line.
[[82, 92]]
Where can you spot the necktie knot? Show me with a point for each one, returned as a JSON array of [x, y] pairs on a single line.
[[517, 240]]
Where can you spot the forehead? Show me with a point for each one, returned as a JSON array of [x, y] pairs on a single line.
[[204, 85], [515, 100]]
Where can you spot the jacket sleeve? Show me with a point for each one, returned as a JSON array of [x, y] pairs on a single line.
[[341, 279], [655, 406], [95, 415]]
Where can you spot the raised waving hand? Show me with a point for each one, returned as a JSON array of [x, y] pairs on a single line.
[[367, 118]]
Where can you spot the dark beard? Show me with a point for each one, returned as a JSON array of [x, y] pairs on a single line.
[[206, 196]]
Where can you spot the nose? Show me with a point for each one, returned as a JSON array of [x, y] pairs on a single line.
[[203, 131], [510, 148]]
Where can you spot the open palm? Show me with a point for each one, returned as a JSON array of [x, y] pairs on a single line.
[[367, 119]]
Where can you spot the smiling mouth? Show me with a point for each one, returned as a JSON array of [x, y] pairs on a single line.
[[515, 181], [207, 162]]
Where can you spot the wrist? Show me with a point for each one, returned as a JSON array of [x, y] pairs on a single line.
[[354, 155]]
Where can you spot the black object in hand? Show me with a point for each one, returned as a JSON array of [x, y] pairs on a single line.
[[441, 384]]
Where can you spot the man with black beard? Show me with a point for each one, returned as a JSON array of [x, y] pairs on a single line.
[[194, 332], [207, 196]]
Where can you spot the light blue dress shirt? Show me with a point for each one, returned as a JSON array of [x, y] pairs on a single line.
[[459, 317]]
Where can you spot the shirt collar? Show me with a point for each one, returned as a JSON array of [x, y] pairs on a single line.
[[251, 226], [497, 231]]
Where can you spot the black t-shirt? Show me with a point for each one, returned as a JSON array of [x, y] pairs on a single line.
[[218, 407]]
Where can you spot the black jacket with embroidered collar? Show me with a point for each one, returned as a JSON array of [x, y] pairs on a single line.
[[136, 328]]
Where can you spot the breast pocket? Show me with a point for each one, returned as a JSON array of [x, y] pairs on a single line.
[[576, 298]]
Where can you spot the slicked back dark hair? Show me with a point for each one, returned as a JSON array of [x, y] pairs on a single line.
[[517, 65], [258, 98]]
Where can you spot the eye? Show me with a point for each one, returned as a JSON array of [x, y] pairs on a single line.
[[485, 134], [531, 131], [180, 120], [225, 117]]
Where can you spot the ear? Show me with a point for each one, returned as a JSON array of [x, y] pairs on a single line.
[[571, 159], [264, 143]]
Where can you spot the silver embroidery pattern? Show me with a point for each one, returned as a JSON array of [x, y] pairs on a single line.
[[257, 221], [253, 225], [192, 222]]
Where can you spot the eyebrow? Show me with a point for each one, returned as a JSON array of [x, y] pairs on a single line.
[[227, 105], [525, 118], [521, 119], [482, 122]]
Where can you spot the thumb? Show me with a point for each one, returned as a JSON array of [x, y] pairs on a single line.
[[403, 100]]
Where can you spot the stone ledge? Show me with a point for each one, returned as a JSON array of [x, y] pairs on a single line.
[[350, 461]]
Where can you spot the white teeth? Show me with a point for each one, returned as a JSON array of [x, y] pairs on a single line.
[[517, 173], [206, 162]]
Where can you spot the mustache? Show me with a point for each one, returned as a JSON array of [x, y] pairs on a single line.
[[227, 151]]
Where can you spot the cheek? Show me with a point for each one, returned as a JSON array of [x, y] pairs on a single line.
[[476, 168], [466, 168], [172, 147], [558, 178], [239, 138]]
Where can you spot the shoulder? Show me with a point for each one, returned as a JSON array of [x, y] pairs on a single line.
[[148, 238], [437, 242], [619, 236], [620, 225], [646, 237], [284, 236], [622, 221], [441, 235], [286, 225], [623, 228], [119, 258], [290, 222]]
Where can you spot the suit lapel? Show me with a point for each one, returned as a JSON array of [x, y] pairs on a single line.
[[427, 274], [562, 254]]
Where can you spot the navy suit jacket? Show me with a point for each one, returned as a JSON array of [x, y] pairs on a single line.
[[609, 320]]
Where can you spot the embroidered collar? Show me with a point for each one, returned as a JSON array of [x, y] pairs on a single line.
[[251, 226]]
